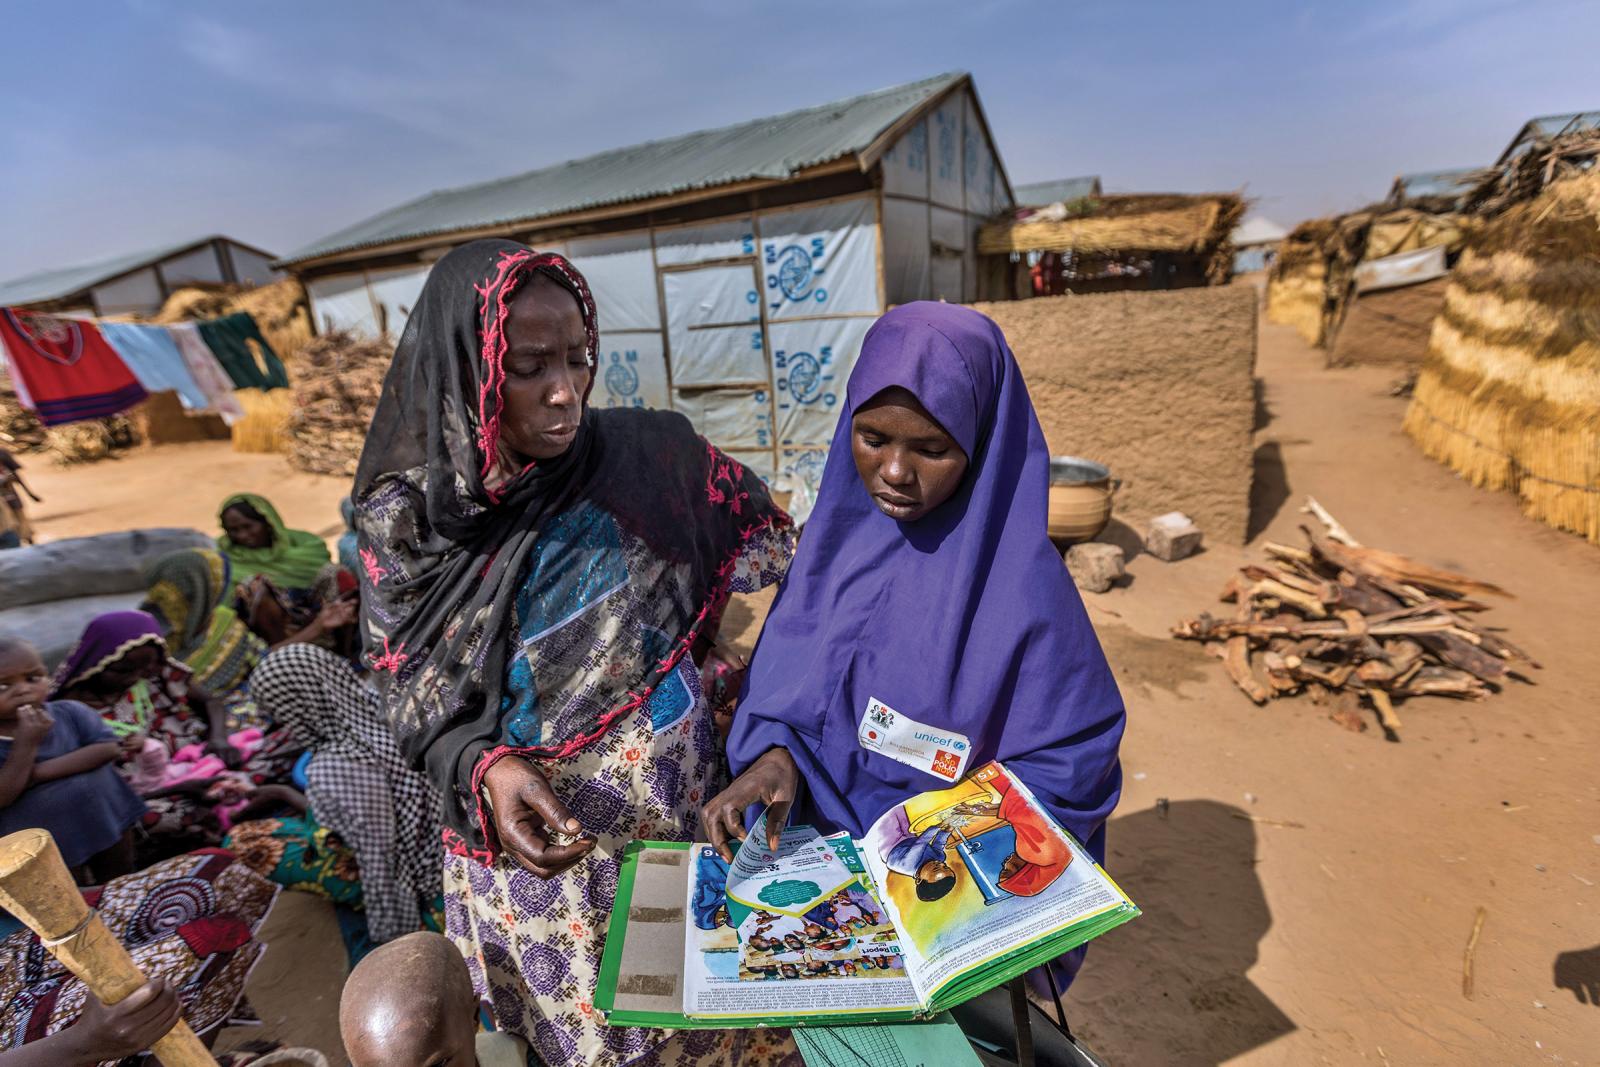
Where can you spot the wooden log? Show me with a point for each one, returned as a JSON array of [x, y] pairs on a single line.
[[1307, 603], [1362, 595], [1206, 628], [1395, 568], [1441, 681], [1336, 531], [1385, 708], [1236, 660], [1291, 579], [1333, 676], [36, 887], [1287, 552], [1457, 652]]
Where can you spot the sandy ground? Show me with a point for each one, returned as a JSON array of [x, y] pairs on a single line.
[[1337, 939]]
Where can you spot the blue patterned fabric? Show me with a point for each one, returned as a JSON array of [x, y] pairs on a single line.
[[575, 565]]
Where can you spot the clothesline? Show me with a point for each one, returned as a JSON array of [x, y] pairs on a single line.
[[71, 369]]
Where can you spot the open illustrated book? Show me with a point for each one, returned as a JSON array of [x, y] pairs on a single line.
[[949, 894]]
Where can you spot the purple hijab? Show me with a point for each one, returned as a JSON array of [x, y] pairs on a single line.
[[105, 640], [965, 620]]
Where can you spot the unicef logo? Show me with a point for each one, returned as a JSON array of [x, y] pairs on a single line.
[[621, 379], [795, 272], [805, 377]]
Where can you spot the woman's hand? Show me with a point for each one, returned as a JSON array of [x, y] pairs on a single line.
[[770, 781], [527, 815], [231, 757], [129, 1026], [337, 614]]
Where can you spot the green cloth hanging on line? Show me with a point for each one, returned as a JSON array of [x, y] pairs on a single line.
[[229, 340]]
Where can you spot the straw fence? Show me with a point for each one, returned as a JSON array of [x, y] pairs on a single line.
[[265, 426], [1312, 281], [1510, 393], [1295, 284], [1141, 222]]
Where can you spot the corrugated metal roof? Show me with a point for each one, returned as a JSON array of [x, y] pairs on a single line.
[[1549, 126], [1038, 194], [776, 148], [63, 282]]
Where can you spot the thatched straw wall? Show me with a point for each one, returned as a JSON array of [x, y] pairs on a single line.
[[1294, 298], [1143, 222], [265, 426], [1295, 284], [1510, 393]]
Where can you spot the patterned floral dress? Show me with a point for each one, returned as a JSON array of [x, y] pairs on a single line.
[[533, 946], [190, 920]]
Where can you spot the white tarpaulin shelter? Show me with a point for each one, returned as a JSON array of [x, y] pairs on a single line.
[[735, 271]]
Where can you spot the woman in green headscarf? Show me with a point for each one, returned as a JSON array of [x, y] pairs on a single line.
[[191, 594], [256, 542]]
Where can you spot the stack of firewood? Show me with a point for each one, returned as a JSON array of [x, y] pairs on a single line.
[[338, 378], [1347, 624], [20, 429]]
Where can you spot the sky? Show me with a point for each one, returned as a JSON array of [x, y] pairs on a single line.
[[142, 123]]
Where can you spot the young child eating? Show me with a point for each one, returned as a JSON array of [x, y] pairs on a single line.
[[58, 771], [410, 1003]]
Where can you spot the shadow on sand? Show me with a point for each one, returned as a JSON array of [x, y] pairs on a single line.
[[1171, 986]]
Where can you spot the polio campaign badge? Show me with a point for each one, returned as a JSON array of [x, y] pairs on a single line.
[[941, 753]]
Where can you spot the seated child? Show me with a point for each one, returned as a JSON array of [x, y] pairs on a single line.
[[191, 769], [410, 1002], [58, 771]]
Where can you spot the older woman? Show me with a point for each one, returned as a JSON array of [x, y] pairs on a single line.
[[540, 580]]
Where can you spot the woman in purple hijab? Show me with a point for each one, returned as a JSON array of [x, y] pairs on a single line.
[[927, 599]]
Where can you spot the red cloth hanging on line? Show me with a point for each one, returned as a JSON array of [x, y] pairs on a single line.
[[64, 369]]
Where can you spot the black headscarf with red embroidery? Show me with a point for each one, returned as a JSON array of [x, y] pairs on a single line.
[[445, 547]]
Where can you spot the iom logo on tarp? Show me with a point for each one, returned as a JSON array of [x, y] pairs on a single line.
[[622, 381], [805, 376], [794, 271]]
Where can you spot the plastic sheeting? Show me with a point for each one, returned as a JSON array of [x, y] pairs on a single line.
[[1406, 268], [800, 475], [905, 164], [199, 265], [761, 463], [343, 303], [53, 628], [983, 186], [632, 372], [820, 260], [905, 251], [949, 228], [137, 293], [396, 292], [944, 154], [105, 563], [811, 364], [945, 277], [681, 245], [731, 419], [714, 326], [622, 276]]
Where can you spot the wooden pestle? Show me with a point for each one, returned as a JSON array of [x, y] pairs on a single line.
[[37, 888]]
